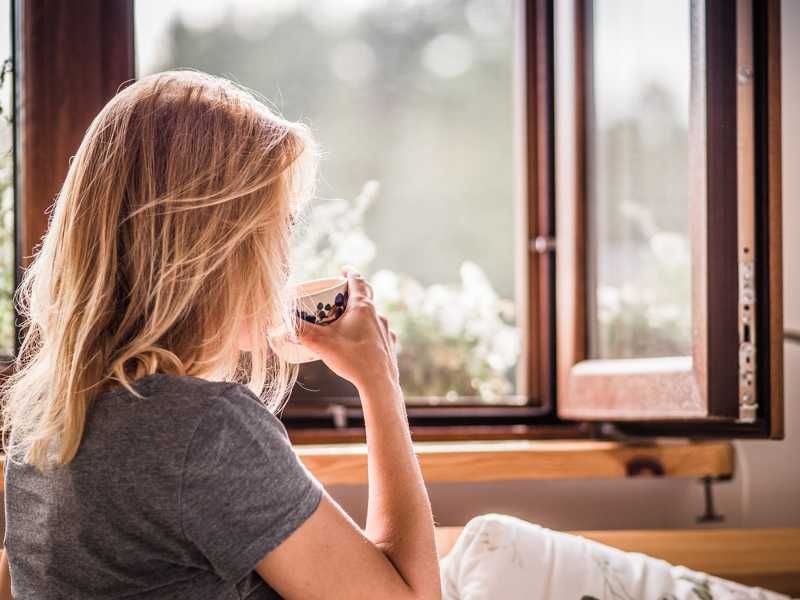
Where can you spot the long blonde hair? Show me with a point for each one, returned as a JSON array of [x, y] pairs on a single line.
[[171, 231]]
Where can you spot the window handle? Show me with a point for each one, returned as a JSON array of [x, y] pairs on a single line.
[[543, 244]]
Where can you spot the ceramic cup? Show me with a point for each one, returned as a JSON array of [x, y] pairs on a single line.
[[320, 301]]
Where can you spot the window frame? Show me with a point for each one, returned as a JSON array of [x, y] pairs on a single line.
[[59, 103], [58, 108], [338, 416], [672, 392], [57, 94]]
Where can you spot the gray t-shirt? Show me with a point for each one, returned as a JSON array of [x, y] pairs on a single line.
[[178, 495]]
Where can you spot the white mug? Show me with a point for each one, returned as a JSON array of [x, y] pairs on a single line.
[[320, 301]]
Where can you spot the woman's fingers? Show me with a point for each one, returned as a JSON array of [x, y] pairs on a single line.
[[357, 286]]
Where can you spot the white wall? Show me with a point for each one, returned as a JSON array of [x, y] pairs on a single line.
[[765, 491]]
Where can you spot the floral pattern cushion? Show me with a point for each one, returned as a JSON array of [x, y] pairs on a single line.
[[498, 557]]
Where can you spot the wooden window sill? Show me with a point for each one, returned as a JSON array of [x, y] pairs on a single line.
[[335, 464]]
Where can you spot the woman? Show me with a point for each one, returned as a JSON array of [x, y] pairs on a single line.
[[141, 459]]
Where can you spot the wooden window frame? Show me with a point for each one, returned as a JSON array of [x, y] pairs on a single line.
[[59, 93], [334, 413], [53, 110], [673, 391]]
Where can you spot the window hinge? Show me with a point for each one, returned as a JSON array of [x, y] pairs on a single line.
[[748, 404], [543, 244]]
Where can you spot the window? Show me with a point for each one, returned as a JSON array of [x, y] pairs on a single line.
[[638, 275], [413, 106], [669, 213], [570, 210]]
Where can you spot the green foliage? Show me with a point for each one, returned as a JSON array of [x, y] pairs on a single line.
[[7, 263]]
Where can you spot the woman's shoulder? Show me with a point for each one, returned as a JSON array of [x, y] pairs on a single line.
[[187, 402], [183, 387], [166, 383], [225, 404]]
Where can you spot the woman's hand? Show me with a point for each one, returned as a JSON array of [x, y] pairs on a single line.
[[328, 557], [359, 346], [395, 555]]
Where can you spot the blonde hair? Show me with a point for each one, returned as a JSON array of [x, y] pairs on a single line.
[[171, 230]]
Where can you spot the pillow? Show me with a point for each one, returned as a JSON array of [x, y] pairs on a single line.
[[498, 557]]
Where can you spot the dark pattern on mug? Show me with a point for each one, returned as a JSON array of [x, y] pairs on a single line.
[[326, 313]]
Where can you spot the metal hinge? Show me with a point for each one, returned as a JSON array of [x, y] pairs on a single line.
[[748, 405]]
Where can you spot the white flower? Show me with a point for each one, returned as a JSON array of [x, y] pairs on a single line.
[[505, 348], [446, 308], [470, 312]]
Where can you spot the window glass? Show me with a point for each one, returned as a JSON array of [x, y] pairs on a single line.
[[639, 300], [412, 104], [7, 256]]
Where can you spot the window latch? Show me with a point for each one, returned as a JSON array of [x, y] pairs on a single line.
[[543, 244]]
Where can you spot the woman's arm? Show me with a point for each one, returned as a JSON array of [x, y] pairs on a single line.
[[329, 556], [5, 577], [399, 519]]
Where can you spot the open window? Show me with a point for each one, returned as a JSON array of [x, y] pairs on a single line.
[[621, 231], [668, 210], [420, 110]]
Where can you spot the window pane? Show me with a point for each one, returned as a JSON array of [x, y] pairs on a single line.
[[7, 261], [639, 301], [412, 104]]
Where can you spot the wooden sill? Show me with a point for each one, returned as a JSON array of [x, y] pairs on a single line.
[[336, 464], [769, 558]]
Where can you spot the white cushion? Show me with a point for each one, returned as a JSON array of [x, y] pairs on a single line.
[[498, 557]]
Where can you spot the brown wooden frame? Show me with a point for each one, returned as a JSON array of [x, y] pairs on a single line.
[[704, 386], [768, 131], [55, 105], [538, 184], [58, 93], [69, 62], [535, 279]]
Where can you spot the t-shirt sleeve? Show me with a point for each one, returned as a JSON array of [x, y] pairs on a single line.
[[244, 490]]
